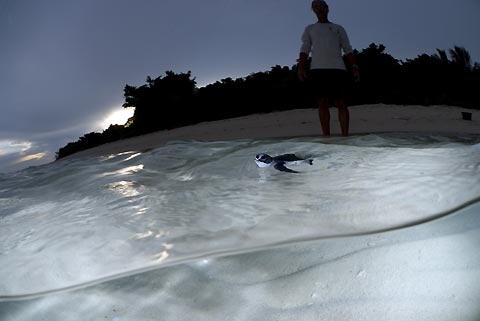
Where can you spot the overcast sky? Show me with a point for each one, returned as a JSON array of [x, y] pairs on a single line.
[[64, 63]]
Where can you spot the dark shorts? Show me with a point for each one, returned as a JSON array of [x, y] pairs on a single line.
[[329, 83]]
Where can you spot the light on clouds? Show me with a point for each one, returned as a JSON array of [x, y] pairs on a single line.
[[15, 155], [8, 147], [31, 157]]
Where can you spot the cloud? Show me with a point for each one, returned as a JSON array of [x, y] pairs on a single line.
[[19, 154], [31, 157], [8, 147]]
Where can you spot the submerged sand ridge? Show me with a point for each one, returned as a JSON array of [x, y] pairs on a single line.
[[304, 122]]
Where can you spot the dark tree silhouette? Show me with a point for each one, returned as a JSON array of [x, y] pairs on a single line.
[[164, 102], [379, 76], [461, 57]]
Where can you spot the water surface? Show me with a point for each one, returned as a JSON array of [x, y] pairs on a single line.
[[79, 223]]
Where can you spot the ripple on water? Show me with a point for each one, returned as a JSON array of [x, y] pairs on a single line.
[[80, 221]]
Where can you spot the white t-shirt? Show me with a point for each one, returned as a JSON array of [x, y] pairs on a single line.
[[326, 42]]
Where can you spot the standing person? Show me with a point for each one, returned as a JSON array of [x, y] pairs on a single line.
[[328, 75]]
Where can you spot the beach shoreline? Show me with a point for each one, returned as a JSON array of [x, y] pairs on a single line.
[[364, 119]]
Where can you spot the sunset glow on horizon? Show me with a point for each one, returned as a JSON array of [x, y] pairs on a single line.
[[117, 117]]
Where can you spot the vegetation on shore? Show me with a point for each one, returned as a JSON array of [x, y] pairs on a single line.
[[174, 100]]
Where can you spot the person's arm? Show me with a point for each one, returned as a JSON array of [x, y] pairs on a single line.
[[348, 50], [304, 51], [352, 60], [302, 62]]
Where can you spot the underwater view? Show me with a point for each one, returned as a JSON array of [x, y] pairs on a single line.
[[378, 227]]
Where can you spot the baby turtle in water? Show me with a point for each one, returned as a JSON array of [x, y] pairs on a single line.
[[279, 162]]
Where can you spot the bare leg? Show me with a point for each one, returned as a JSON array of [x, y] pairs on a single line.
[[324, 115], [343, 115]]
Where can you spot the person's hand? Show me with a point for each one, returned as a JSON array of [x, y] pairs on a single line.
[[301, 74], [356, 73]]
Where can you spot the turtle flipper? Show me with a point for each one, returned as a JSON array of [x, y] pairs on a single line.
[[281, 167]]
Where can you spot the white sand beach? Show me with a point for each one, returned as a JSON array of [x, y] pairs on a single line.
[[304, 122]]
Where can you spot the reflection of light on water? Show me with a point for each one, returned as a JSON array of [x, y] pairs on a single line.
[[157, 235], [168, 246], [139, 210], [203, 262], [126, 170], [186, 177], [119, 154], [164, 254], [124, 188], [143, 235], [133, 156], [160, 256]]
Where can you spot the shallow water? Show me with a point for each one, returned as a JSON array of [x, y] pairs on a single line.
[[197, 228]]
